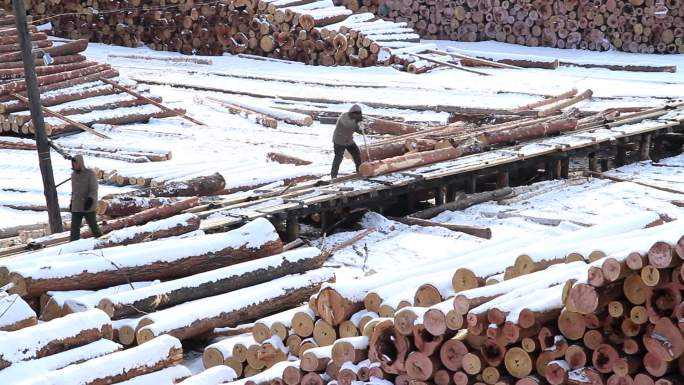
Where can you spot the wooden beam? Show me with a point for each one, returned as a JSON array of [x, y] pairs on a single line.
[[153, 102]]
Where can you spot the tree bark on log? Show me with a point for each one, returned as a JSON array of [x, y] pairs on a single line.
[[220, 281], [69, 48]]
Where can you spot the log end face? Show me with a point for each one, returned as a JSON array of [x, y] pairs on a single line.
[[464, 279], [212, 357], [660, 255], [144, 335], [582, 299]]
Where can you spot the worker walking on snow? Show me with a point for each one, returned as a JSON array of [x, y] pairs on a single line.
[[343, 138], [83, 198]]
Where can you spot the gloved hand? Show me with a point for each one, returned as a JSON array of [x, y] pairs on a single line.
[[88, 203]]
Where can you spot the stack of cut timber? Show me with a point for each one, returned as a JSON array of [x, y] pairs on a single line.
[[653, 26], [610, 317], [70, 86], [550, 116]]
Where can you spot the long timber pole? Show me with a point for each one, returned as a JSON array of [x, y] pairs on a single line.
[[44, 160]]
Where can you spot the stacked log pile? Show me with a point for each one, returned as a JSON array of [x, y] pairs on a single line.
[[604, 307], [309, 31], [631, 26], [71, 87]]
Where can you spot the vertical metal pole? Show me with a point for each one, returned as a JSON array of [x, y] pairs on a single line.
[[37, 117]]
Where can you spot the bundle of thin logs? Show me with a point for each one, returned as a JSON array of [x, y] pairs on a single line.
[[645, 26], [607, 312], [284, 29], [71, 86], [459, 139]]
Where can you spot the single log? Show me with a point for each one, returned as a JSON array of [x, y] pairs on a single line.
[[170, 375], [421, 367], [42, 366], [164, 352], [452, 351], [403, 162], [230, 308], [316, 359], [478, 231], [352, 349], [17, 314], [388, 127], [31, 342], [219, 281], [463, 202], [152, 261], [216, 375], [376, 152], [559, 106], [199, 186], [547, 101], [664, 341], [124, 206], [324, 334]]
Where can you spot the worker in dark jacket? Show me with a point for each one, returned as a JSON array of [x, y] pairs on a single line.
[[83, 198], [343, 138]]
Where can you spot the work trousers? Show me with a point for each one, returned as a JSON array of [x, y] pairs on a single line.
[[77, 219], [339, 154]]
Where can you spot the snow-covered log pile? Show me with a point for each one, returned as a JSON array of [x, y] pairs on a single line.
[[310, 31], [554, 115], [161, 259], [601, 306], [656, 25], [71, 86]]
